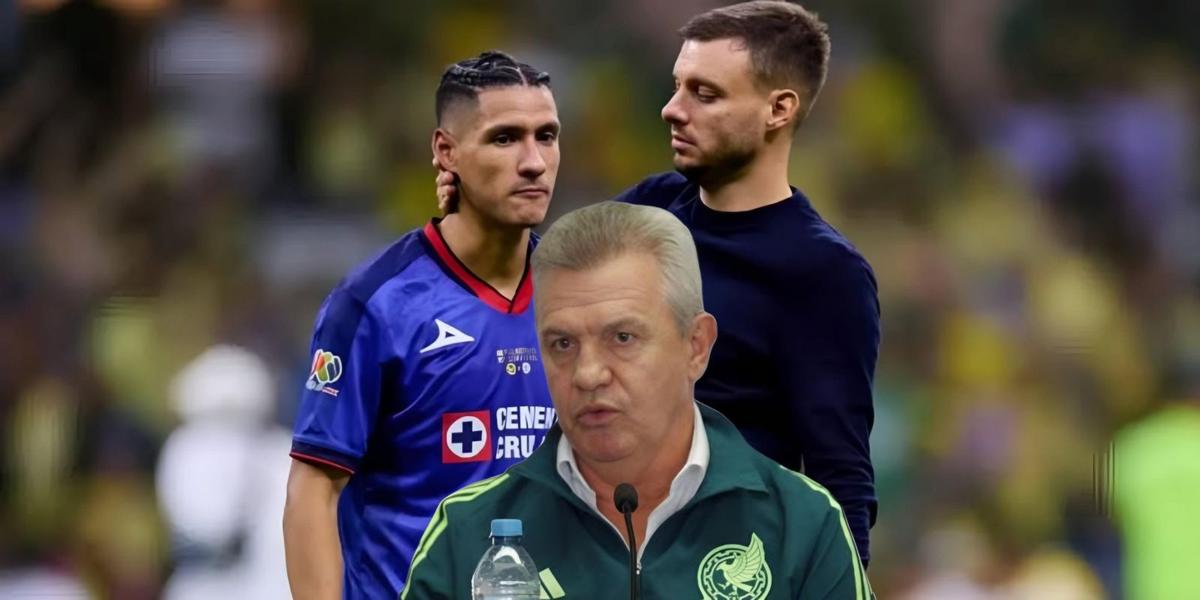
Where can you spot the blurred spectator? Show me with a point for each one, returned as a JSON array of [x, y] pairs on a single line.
[[221, 480], [41, 584], [1155, 486], [218, 67]]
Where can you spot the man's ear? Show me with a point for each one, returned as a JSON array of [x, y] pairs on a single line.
[[701, 337], [445, 149], [786, 109]]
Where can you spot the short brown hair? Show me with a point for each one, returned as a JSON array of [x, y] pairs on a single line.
[[789, 45]]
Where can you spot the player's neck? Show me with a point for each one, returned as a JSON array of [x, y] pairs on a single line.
[[494, 254], [764, 181]]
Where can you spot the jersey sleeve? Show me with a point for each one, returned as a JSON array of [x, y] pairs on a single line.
[[341, 396]]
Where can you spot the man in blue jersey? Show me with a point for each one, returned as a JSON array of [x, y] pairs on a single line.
[[426, 374], [794, 362]]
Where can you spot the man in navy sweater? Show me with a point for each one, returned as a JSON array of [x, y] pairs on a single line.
[[797, 305]]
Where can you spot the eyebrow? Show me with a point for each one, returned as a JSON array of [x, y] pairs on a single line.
[[699, 80], [625, 323], [514, 129], [553, 332]]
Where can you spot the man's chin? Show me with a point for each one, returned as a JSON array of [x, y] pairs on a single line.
[[715, 171], [527, 221], [531, 217], [528, 215], [602, 447], [692, 171]]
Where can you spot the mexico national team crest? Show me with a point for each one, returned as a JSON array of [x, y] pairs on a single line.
[[326, 369], [735, 572]]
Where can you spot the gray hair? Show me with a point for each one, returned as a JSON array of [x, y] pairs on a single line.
[[588, 237]]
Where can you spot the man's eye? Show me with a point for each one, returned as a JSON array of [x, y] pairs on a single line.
[[547, 136], [561, 344], [503, 139], [624, 337]]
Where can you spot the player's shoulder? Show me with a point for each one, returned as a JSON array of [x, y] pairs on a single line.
[[353, 294], [389, 263], [659, 190]]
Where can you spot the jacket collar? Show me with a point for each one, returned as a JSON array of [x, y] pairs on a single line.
[[731, 464]]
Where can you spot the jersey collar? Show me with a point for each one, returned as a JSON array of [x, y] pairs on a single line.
[[481, 289]]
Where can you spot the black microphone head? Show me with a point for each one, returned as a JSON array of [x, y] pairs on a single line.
[[625, 497]]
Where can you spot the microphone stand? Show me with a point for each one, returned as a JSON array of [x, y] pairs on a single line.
[[626, 499]]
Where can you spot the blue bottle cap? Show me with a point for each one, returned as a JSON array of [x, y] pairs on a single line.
[[506, 528]]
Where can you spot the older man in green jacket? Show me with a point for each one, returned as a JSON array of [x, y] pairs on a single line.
[[624, 337]]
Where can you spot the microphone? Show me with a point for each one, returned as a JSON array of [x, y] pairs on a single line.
[[625, 497]]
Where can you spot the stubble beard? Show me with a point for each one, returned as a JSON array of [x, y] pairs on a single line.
[[726, 164]]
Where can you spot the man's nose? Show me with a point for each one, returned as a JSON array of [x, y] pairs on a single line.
[[531, 164], [672, 111], [591, 371]]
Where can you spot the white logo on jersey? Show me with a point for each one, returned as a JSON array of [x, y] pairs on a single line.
[[447, 336], [467, 437]]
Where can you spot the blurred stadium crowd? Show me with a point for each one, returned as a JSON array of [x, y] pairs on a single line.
[[182, 182]]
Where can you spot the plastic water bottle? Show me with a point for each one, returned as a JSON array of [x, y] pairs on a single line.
[[506, 572]]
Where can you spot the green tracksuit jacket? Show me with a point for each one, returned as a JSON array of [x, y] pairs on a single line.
[[753, 531]]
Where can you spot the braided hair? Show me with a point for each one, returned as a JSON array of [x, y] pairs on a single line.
[[465, 79]]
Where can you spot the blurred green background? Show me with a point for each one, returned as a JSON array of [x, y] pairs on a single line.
[[177, 177]]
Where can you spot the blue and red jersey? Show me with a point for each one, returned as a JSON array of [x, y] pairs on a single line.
[[424, 379]]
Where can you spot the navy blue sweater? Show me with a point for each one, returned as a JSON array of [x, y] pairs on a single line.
[[797, 336]]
